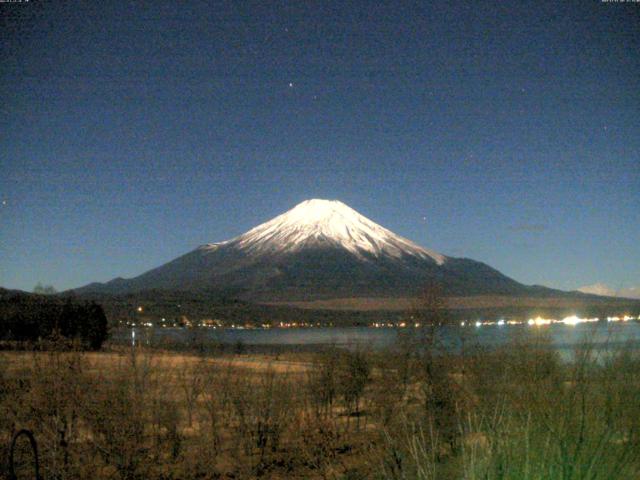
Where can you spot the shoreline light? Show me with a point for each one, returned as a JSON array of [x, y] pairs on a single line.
[[538, 321], [574, 320]]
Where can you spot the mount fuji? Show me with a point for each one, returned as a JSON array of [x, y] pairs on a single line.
[[320, 249]]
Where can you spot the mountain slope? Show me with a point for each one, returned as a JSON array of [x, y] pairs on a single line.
[[319, 249], [328, 223]]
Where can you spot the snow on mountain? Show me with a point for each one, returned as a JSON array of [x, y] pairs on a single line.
[[598, 289], [605, 290], [321, 222], [320, 249]]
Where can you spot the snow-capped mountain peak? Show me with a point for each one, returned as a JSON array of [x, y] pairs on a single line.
[[318, 250], [317, 222]]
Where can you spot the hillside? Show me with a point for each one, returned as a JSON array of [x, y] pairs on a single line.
[[319, 250]]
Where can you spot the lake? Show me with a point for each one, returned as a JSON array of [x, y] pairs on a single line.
[[564, 338]]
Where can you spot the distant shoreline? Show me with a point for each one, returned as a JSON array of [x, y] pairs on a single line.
[[461, 303]]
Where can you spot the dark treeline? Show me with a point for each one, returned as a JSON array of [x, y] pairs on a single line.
[[31, 318]]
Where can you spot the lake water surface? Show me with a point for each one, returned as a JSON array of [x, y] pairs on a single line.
[[564, 338]]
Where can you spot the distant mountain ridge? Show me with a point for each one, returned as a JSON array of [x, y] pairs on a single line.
[[320, 249]]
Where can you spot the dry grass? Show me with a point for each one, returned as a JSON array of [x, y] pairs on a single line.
[[514, 413], [470, 302], [17, 360]]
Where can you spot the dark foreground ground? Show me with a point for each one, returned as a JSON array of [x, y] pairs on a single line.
[[404, 413]]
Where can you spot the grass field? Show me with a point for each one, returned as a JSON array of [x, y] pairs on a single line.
[[409, 412], [465, 303]]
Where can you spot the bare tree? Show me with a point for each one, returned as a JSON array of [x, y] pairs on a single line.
[[353, 376], [191, 383]]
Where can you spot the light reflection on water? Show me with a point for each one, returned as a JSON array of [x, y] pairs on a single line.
[[564, 338]]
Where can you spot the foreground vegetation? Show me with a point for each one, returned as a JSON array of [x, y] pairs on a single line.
[[410, 413]]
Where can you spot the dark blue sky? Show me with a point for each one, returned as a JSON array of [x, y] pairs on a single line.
[[507, 132]]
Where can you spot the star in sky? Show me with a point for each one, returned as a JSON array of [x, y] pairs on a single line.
[[393, 104]]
